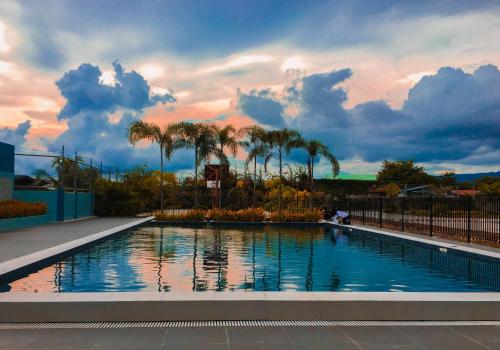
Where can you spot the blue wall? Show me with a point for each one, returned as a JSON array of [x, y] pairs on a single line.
[[60, 206], [6, 171], [23, 222], [6, 158]]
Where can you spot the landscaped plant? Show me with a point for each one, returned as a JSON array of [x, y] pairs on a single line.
[[191, 215], [14, 209], [310, 215], [244, 215]]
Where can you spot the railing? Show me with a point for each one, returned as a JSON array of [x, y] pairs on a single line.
[[465, 218]]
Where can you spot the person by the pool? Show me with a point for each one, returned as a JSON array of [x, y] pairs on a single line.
[[341, 217]]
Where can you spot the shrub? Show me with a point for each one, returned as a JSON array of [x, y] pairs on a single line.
[[244, 215], [308, 215], [14, 209], [191, 215]]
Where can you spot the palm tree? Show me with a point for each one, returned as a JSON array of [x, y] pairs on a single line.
[[225, 137], [282, 140], [256, 146], [41, 174], [316, 148], [201, 138], [167, 138]]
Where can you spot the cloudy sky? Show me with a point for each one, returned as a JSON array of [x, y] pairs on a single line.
[[374, 80]]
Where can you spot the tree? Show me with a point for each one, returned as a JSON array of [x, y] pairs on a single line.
[[41, 174], [403, 172], [226, 137], [256, 146], [391, 189], [316, 148], [167, 138], [448, 179], [282, 140], [201, 138]]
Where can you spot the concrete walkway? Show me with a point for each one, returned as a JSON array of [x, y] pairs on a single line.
[[471, 247], [255, 338], [14, 244]]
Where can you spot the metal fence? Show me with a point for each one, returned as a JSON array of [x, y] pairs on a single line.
[[464, 218]]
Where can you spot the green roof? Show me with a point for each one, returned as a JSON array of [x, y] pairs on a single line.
[[348, 176]]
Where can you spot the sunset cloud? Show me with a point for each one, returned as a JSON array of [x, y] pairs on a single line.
[[374, 80]]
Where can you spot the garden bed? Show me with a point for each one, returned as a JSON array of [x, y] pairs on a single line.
[[17, 209], [244, 216]]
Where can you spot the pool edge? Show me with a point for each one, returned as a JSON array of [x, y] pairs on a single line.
[[229, 306], [16, 266], [452, 247]]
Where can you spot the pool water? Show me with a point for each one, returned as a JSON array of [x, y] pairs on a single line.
[[260, 258]]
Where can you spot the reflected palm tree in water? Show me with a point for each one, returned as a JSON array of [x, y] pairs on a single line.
[[162, 285], [195, 254], [334, 281], [309, 275]]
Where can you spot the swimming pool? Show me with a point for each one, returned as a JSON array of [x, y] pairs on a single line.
[[158, 257]]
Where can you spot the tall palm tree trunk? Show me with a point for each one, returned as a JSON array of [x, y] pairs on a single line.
[[196, 178], [311, 202], [161, 177], [280, 183], [255, 181], [220, 178]]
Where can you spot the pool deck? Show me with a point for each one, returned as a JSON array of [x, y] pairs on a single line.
[[21, 249], [449, 245], [454, 337]]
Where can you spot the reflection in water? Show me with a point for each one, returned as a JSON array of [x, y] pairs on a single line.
[[260, 258]]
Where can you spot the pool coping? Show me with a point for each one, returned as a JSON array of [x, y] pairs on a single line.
[[230, 306], [458, 247], [208, 306], [16, 266]]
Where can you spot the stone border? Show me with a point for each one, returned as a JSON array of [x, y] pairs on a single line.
[[422, 240], [16, 266], [217, 306]]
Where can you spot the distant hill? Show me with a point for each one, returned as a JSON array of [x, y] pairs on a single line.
[[472, 177]]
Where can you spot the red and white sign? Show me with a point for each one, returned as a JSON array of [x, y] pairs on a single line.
[[213, 184]]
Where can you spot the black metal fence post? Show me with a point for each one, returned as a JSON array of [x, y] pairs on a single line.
[[469, 208], [380, 211], [91, 190], [431, 213], [363, 208], [402, 214]]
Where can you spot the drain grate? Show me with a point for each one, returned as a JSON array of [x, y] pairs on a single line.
[[181, 324]]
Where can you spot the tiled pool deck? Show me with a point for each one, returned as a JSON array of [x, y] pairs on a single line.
[[14, 244], [258, 338]]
